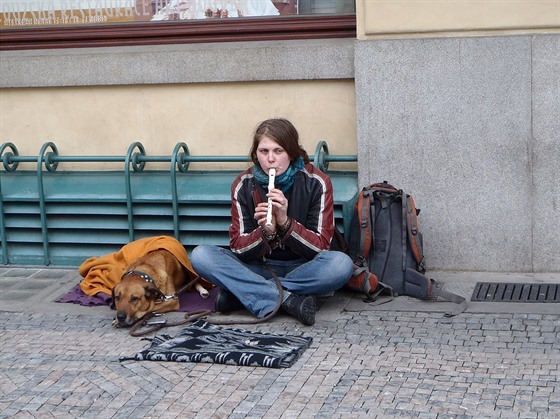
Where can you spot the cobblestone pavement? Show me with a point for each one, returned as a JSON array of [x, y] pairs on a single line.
[[62, 360]]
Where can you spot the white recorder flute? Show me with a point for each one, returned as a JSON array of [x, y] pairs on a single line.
[[271, 176]]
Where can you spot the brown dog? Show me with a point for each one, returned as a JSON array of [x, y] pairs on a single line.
[[145, 285]]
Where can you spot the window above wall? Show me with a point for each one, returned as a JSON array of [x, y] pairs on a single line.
[[32, 24]]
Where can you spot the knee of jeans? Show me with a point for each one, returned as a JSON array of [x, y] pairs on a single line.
[[343, 262], [199, 254]]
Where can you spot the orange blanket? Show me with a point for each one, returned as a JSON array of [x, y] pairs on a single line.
[[102, 273]]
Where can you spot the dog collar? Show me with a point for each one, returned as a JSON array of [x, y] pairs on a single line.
[[141, 274], [149, 280]]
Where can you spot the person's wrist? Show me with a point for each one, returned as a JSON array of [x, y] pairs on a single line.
[[267, 235], [286, 225]]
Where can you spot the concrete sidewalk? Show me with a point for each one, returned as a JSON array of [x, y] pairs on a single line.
[[402, 358]]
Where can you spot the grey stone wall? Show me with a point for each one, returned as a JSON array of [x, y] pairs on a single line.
[[169, 64], [546, 152], [469, 127]]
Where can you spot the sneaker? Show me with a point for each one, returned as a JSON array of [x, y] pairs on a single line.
[[302, 307], [226, 302]]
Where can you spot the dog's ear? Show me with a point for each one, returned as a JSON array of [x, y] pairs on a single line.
[[151, 292], [112, 304]]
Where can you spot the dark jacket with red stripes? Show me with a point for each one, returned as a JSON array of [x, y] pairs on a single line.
[[310, 206]]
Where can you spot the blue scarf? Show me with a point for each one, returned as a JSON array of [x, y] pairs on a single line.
[[282, 182]]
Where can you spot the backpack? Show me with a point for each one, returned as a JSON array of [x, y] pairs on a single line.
[[387, 248]]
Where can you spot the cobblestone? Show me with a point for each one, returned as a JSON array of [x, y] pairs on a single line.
[[57, 360]]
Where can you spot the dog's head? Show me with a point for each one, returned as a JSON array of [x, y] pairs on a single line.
[[133, 298]]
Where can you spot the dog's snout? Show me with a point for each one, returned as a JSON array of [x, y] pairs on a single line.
[[121, 317]]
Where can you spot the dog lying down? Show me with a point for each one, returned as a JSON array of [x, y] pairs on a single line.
[[147, 282]]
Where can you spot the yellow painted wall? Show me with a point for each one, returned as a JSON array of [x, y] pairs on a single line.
[[427, 17], [212, 119]]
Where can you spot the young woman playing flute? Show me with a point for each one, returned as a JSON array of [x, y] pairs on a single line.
[[295, 245]]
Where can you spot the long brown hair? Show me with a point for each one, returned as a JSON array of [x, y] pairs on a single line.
[[284, 133]]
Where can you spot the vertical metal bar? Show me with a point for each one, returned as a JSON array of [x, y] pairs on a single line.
[[9, 166], [51, 167], [3, 237], [177, 162], [128, 196], [131, 160], [174, 203]]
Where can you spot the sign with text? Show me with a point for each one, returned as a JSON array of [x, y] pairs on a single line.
[[26, 13]]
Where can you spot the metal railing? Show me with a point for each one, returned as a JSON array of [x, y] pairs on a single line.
[[135, 159]]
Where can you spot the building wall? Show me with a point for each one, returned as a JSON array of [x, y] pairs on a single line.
[[456, 102], [429, 18], [470, 127], [98, 101]]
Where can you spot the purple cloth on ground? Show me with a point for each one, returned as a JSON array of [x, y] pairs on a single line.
[[190, 301]]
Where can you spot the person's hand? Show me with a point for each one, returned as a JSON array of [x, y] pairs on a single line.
[[260, 215], [279, 206], [279, 211]]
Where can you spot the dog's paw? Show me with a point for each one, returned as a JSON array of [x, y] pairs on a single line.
[[202, 291]]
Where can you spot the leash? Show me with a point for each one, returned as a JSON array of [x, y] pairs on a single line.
[[154, 325], [269, 315], [145, 325]]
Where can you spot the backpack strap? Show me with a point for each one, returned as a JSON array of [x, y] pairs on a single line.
[[384, 289], [414, 236], [420, 286], [438, 291], [365, 225], [404, 230]]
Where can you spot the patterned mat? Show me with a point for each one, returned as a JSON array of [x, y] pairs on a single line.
[[208, 343]]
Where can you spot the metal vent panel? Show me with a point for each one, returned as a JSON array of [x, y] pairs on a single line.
[[84, 214], [516, 292]]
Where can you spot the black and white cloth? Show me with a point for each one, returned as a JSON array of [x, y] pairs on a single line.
[[205, 342]]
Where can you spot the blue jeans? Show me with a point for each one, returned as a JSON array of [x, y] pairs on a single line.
[[253, 284]]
